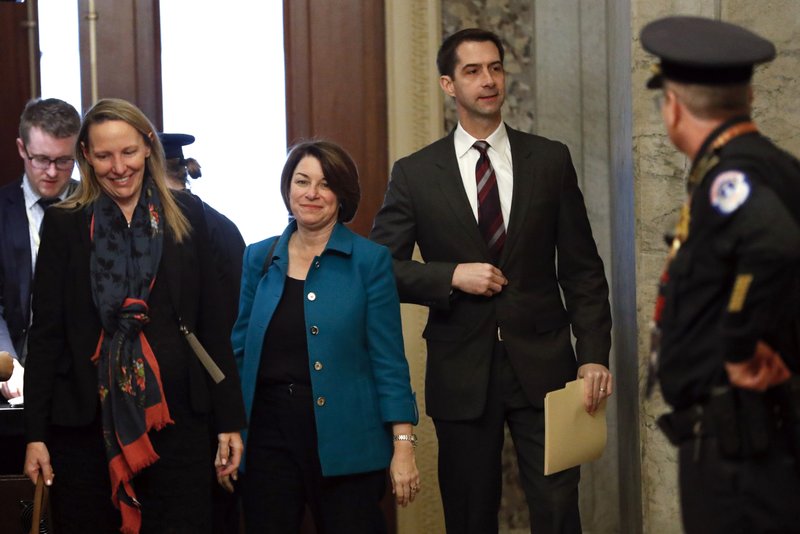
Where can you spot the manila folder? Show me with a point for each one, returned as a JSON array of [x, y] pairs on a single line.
[[571, 435]]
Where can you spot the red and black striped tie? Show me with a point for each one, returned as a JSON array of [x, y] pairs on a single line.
[[490, 216]]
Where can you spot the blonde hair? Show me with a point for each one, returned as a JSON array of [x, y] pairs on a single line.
[[115, 109]]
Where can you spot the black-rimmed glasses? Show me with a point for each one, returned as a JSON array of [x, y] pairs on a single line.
[[43, 163]]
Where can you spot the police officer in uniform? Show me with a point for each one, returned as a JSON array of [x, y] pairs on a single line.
[[728, 314], [226, 240], [227, 246]]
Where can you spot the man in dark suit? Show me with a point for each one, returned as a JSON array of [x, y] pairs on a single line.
[[46, 143], [503, 231]]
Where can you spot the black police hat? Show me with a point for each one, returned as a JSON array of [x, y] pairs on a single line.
[[703, 51], [173, 143]]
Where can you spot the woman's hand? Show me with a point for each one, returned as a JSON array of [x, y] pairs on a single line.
[[403, 469], [229, 455], [37, 462]]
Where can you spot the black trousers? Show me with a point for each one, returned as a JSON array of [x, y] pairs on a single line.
[[754, 496], [470, 469], [283, 474], [175, 492]]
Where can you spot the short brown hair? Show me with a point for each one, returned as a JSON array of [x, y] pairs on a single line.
[[338, 168], [446, 58], [51, 115], [712, 101]]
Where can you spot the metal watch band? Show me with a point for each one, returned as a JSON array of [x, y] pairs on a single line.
[[406, 437]]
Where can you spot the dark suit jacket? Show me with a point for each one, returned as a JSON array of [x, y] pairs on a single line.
[[227, 246], [549, 249], [15, 264], [60, 379]]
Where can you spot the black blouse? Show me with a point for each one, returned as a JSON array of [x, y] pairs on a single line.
[[284, 355]]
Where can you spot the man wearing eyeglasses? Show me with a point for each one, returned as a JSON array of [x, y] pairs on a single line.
[[48, 130]]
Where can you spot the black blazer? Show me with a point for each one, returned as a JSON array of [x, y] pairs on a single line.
[[227, 247], [15, 263], [60, 379], [549, 249]]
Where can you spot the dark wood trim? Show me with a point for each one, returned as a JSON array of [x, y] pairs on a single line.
[[297, 53], [336, 89], [147, 40], [128, 54], [374, 165], [336, 86], [15, 70]]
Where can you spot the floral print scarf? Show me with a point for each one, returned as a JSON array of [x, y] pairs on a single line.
[[123, 265]]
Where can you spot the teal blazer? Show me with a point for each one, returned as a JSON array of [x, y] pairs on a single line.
[[359, 374]]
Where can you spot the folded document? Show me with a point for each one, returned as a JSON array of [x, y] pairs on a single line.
[[571, 435]]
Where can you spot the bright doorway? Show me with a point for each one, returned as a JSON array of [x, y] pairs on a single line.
[[222, 67]]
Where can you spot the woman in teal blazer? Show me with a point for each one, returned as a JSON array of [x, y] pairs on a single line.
[[319, 345]]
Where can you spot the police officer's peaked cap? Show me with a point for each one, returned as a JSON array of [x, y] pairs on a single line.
[[703, 51], [173, 144]]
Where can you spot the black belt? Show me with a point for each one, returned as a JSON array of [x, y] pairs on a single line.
[[745, 423], [683, 425]]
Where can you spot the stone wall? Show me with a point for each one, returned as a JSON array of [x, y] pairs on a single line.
[[576, 73]]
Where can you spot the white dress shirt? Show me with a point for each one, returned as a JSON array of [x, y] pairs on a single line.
[[499, 154], [35, 213]]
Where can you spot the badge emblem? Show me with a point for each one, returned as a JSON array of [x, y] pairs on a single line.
[[729, 191]]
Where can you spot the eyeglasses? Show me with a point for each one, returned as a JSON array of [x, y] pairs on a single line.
[[43, 163]]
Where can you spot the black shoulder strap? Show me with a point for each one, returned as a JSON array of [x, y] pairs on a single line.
[[268, 259]]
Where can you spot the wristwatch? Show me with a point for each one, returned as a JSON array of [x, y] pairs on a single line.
[[406, 437]]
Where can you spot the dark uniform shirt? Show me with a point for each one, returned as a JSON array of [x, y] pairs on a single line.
[[227, 245], [734, 280]]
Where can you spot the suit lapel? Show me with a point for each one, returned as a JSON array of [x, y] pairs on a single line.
[[16, 221], [524, 178], [452, 187]]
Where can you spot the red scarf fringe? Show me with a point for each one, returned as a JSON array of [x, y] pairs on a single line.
[[139, 454]]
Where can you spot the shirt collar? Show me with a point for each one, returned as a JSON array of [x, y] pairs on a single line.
[[31, 197], [463, 141], [341, 241]]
